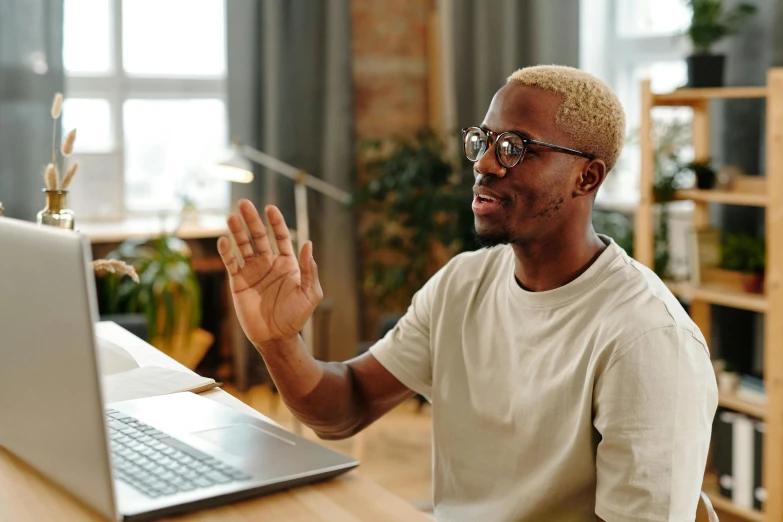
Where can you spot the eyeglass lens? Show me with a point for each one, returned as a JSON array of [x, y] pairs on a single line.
[[510, 147]]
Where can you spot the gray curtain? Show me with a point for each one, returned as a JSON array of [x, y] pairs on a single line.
[[31, 71], [491, 39], [290, 95]]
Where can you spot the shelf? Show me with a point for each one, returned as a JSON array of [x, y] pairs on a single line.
[[730, 400], [718, 294], [691, 96], [723, 196], [721, 503]]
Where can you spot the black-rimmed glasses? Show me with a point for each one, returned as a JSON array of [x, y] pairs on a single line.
[[510, 146]]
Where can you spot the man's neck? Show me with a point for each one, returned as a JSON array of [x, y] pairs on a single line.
[[556, 261]]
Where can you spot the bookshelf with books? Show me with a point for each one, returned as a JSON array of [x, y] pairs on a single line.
[[718, 287]]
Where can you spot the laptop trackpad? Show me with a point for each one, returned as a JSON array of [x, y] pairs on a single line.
[[245, 439]]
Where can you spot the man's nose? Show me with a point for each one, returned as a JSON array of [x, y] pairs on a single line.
[[488, 164]]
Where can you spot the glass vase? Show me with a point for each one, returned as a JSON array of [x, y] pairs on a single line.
[[56, 214]]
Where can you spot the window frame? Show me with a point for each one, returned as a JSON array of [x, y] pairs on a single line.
[[116, 87], [612, 57]]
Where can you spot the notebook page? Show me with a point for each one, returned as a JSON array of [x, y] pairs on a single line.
[[149, 381]]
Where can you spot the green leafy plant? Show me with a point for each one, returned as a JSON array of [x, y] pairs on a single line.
[[710, 23], [743, 253], [664, 188], [670, 139], [416, 206], [617, 226], [168, 293]]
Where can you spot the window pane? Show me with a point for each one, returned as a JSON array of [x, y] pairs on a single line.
[[169, 147], [92, 120], [86, 37], [651, 17], [664, 76], [174, 37]]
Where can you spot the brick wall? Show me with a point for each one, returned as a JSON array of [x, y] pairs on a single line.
[[390, 65]]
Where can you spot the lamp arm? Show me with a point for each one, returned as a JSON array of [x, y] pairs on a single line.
[[271, 163], [294, 174], [327, 189]]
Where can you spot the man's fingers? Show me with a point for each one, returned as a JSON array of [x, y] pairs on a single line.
[[258, 234], [309, 270], [240, 236], [282, 235], [227, 255]]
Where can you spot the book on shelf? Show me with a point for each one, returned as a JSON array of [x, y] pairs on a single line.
[[704, 252], [759, 493], [751, 389], [737, 457]]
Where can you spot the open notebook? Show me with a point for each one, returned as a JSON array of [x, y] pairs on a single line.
[[123, 379]]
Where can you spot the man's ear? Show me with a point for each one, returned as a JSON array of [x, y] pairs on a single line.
[[590, 179]]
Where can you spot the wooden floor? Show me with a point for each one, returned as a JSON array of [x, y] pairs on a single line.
[[395, 452]]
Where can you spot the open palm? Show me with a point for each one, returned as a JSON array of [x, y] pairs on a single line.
[[274, 294]]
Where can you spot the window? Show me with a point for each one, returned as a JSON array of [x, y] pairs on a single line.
[[145, 87], [623, 42]]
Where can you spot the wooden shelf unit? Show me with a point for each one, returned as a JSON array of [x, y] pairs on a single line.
[[685, 97], [721, 503], [752, 191], [727, 197], [730, 400], [745, 190], [717, 294]]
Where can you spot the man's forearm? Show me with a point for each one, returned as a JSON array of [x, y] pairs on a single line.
[[321, 395]]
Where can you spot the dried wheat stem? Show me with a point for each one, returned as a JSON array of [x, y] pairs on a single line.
[[70, 174], [115, 266], [57, 106], [50, 177], [67, 148]]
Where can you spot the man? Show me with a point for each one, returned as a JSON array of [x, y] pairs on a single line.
[[567, 383]]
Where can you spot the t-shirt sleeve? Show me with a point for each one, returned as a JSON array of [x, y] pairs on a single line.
[[654, 406], [405, 350]]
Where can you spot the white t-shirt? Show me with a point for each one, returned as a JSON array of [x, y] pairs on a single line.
[[593, 398]]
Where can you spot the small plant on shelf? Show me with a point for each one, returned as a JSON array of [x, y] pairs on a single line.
[[710, 23], [746, 254], [704, 173]]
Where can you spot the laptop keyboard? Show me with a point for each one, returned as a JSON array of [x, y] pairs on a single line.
[[157, 464]]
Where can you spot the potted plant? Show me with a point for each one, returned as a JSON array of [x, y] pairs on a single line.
[[416, 215], [705, 175], [710, 23], [168, 294], [745, 254]]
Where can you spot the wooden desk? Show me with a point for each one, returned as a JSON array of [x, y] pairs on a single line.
[[25, 496]]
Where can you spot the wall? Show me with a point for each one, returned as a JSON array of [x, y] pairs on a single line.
[[389, 66], [390, 74]]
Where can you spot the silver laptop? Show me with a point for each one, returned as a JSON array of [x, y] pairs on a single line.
[[131, 460]]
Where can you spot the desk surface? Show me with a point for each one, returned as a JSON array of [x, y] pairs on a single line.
[[26, 496], [203, 226]]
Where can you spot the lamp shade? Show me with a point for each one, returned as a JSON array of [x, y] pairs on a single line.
[[236, 167]]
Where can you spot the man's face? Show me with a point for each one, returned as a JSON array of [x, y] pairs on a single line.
[[536, 196]]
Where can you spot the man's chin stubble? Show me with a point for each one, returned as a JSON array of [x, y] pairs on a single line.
[[492, 240]]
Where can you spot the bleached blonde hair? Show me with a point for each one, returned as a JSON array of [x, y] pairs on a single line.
[[590, 113]]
